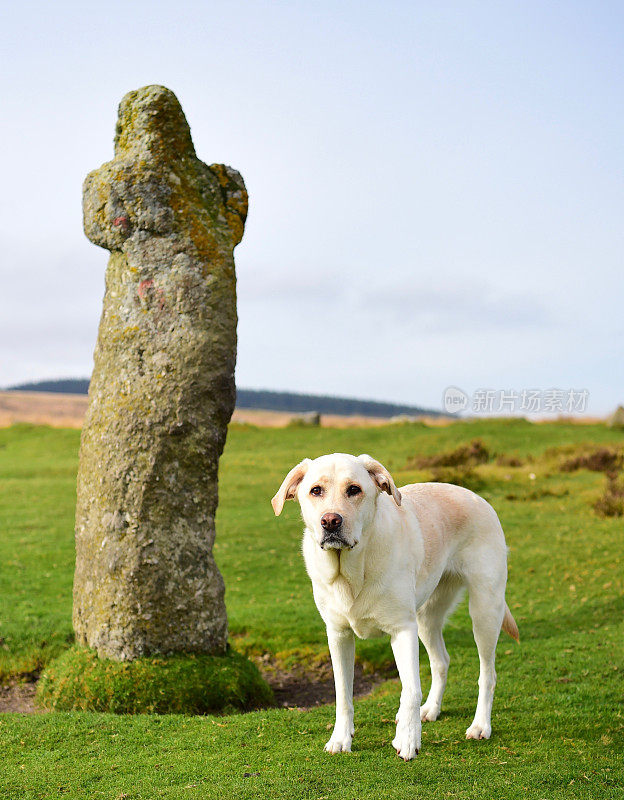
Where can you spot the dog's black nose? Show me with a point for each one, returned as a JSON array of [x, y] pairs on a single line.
[[331, 522]]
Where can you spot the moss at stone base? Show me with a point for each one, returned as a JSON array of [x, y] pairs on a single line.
[[180, 684]]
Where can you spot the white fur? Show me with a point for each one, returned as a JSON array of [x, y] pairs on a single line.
[[405, 557]]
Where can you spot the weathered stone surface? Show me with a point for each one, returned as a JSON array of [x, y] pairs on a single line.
[[616, 420], [162, 390]]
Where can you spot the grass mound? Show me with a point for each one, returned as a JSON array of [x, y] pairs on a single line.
[[180, 684], [603, 459], [468, 455], [611, 502], [460, 476], [509, 460]]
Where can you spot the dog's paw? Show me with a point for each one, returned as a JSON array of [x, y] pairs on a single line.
[[429, 712], [338, 744], [342, 734], [407, 740], [479, 730]]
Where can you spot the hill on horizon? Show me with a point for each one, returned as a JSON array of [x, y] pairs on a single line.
[[266, 400]]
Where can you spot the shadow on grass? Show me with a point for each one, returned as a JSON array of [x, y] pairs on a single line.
[[582, 618], [590, 616]]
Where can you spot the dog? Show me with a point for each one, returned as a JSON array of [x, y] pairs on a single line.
[[394, 561]]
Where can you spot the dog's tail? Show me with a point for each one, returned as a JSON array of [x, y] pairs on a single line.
[[509, 625]]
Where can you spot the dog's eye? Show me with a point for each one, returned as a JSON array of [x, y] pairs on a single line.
[[316, 491], [353, 490]]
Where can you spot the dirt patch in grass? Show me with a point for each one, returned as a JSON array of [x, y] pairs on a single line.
[[304, 690], [294, 689], [18, 698]]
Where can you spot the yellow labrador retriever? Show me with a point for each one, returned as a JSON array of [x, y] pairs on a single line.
[[388, 561]]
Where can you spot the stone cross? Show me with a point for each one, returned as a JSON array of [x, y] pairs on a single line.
[[162, 390]]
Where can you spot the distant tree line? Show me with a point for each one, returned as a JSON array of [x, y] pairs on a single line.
[[268, 401], [324, 404], [62, 386]]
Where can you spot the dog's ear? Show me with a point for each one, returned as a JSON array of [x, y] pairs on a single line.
[[381, 476], [289, 485]]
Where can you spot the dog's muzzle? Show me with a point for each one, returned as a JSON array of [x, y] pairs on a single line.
[[332, 536], [334, 541]]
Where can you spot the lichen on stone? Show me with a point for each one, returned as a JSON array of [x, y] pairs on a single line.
[[162, 390]]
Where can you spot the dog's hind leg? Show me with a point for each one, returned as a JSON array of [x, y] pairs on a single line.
[[431, 617], [487, 608]]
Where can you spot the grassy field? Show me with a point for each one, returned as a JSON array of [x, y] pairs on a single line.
[[558, 716]]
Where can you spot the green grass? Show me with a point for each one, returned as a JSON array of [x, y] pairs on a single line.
[[558, 714]]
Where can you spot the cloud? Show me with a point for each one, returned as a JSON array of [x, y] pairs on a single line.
[[454, 306], [444, 305], [49, 310]]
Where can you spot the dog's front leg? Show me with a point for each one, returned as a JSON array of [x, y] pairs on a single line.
[[405, 649], [342, 651]]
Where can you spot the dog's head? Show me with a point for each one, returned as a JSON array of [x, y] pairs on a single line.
[[338, 496]]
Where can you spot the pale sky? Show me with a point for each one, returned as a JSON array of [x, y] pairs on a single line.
[[436, 189]]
